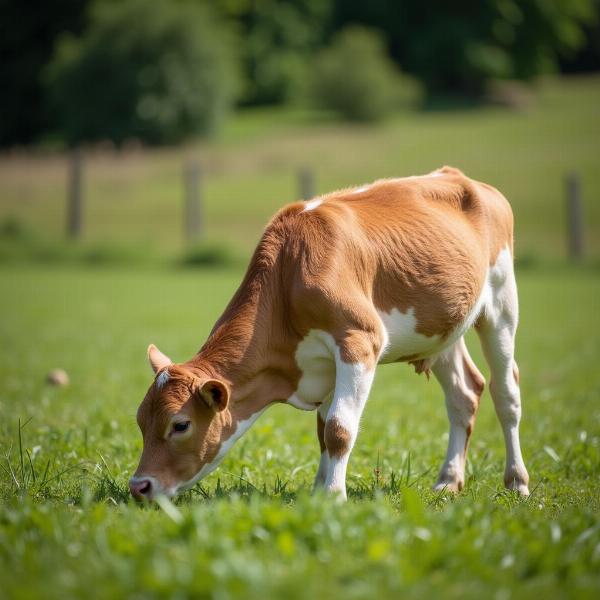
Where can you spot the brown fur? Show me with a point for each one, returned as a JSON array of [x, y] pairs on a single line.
[[422, 243], [321, 432], [337, 438]]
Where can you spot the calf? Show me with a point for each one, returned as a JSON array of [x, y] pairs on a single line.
[[396, 271]]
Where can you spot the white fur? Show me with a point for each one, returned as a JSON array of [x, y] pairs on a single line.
[[162, 379], [315, 358], [361, 189], [502, 298], [449, 370], [352, 386], [312, 204], [498, 341], [402, 338]]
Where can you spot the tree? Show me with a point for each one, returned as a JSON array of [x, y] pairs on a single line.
[[457, 47], [278, 38], [156, 71], [28, 32], [355, 76]]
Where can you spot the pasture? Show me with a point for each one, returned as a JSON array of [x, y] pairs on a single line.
[[252, 529]]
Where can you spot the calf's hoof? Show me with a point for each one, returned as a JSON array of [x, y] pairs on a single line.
[[338, 494], [517, 480], [520, 487], [448, 485]]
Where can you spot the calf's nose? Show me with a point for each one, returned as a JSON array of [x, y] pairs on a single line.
[[141, 488]]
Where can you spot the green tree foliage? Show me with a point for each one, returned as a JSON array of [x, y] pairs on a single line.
[[27, 35], [161, 69], [279, 38], [458, 46], [157, 71], [356, 78]]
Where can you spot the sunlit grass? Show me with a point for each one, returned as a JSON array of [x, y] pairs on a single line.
[[252, 529]]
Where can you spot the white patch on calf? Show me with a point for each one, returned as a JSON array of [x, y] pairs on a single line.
[[352, 386], [501, 315], [497, 278], [162, 379], [312, 204], [402, 337], [315, 358]]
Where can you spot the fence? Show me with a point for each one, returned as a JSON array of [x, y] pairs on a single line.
[[193, 199]]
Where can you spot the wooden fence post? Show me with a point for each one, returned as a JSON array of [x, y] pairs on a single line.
[[574, 217], [306, 182], [75, 195], [193, 201]]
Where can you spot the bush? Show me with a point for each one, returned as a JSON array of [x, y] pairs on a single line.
[[157, 71], [456, 48], [278, 39], [355, 77], [210, 254]]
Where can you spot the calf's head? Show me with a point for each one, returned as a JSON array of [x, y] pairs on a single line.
[[183, 418]]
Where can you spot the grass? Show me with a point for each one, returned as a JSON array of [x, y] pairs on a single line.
[[136, 195], [252, 529]]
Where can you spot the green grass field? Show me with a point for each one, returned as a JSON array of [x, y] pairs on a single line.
[[252, 529]]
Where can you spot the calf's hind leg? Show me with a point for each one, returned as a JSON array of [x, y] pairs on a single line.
[[497, 328], [498, 347], [463, 385]]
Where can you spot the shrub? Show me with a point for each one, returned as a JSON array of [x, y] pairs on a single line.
[[456, 48], [158, 71], [356, 78], [211, 254]]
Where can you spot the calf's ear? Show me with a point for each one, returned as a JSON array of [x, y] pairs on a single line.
[[215, 394], [157, 359]]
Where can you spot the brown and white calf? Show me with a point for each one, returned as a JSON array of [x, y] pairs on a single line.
[[396, 271]]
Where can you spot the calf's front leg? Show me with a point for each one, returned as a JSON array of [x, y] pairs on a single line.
[[352, 386]]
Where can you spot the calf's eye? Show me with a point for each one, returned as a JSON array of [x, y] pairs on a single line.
[[181, 426]]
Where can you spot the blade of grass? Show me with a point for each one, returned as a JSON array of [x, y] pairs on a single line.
[[31, 466], [21, 454]]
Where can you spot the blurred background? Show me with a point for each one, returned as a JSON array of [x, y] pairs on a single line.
[[135, 131]]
